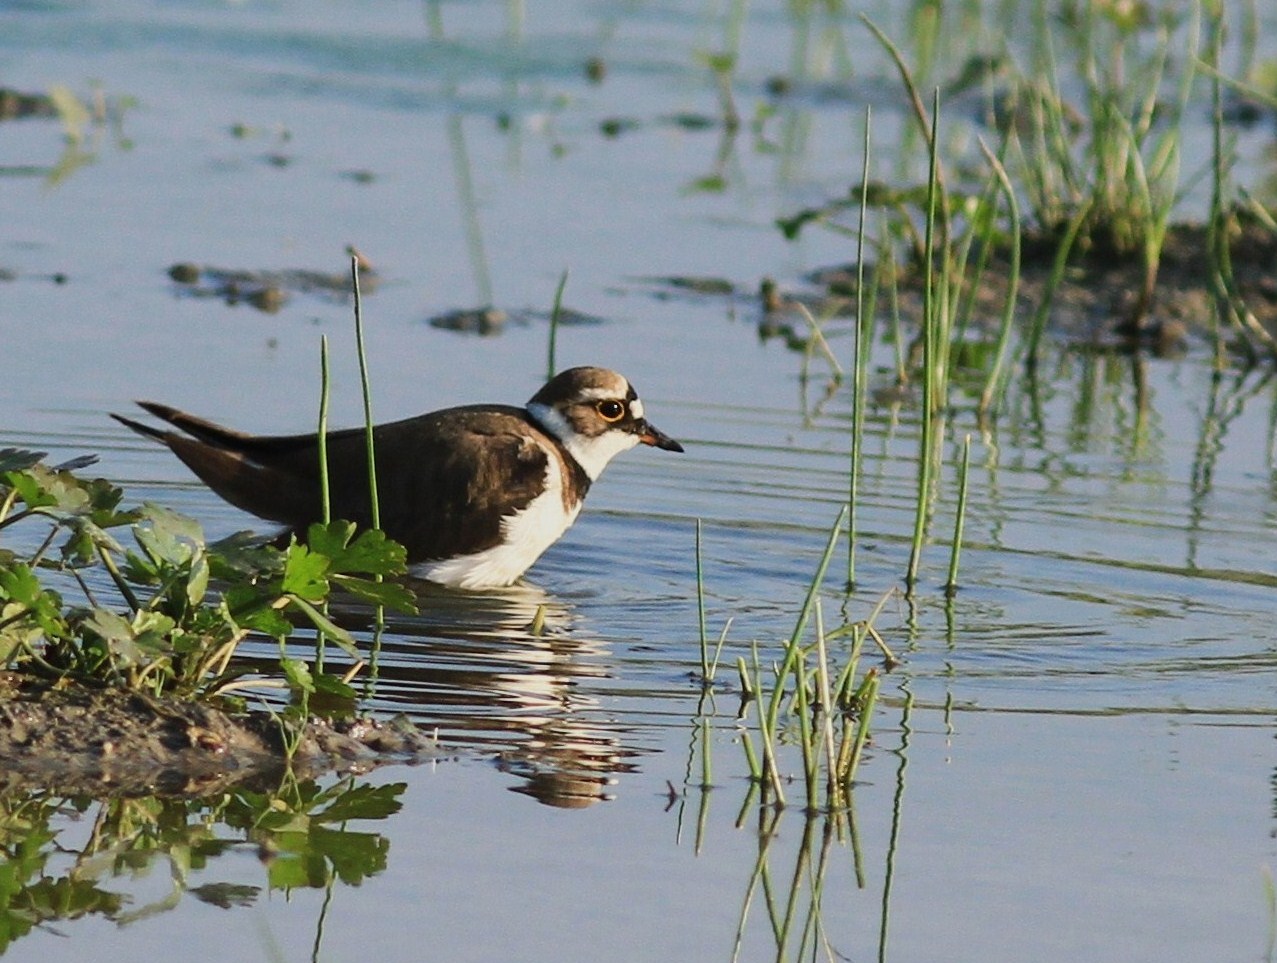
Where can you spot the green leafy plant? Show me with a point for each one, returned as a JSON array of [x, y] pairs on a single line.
[[166, 615]]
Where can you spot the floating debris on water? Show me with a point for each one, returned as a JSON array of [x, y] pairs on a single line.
[[487, 321], [16, 105], [482, 321], [269, 291]]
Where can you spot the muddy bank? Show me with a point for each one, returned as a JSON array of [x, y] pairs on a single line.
[[1098, 299], [75, 740]]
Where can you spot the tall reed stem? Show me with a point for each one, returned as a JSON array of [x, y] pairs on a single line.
[[551, 350], [862, 343], [325, 499], [374, 502], [934, 352]]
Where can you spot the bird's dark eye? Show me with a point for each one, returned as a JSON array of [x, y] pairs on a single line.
[[610, 409]]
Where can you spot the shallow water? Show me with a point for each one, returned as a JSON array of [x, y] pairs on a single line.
[[1073, 761]]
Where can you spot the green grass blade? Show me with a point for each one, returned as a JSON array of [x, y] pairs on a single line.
[[555, 312], [994, 387], [793, 649], [374, 502], [862, 341], [706, 678], [325, 498], [951, 586]]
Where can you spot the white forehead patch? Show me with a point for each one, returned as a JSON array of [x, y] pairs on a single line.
[[620, 390]]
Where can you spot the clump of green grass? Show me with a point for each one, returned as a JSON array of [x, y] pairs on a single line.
[[1091, 144], [1106, 177], [813, 702]]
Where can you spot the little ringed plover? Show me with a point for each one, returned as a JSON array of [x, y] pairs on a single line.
[[474, 493]]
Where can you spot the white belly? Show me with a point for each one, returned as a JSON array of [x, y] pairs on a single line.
[[526, 535]]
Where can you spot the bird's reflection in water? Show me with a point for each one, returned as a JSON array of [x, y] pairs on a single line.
[[503, 671]]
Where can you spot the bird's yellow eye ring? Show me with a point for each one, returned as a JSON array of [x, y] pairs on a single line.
[[610, 410]]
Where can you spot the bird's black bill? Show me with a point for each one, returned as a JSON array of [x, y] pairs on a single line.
[[651, 435]]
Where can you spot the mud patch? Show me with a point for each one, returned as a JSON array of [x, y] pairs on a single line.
[[1097, 300], [18, 104], [76, 740]]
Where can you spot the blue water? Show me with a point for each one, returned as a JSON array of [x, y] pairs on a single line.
[[1084, 734]]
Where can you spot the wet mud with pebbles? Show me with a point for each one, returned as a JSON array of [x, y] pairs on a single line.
[[76, 740]]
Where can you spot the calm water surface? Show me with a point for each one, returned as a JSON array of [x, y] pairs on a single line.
[[1075, 760]]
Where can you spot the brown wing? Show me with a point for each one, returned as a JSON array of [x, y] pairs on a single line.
[[444, 482]]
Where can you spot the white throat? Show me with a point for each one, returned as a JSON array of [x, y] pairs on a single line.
[[592, 454]]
